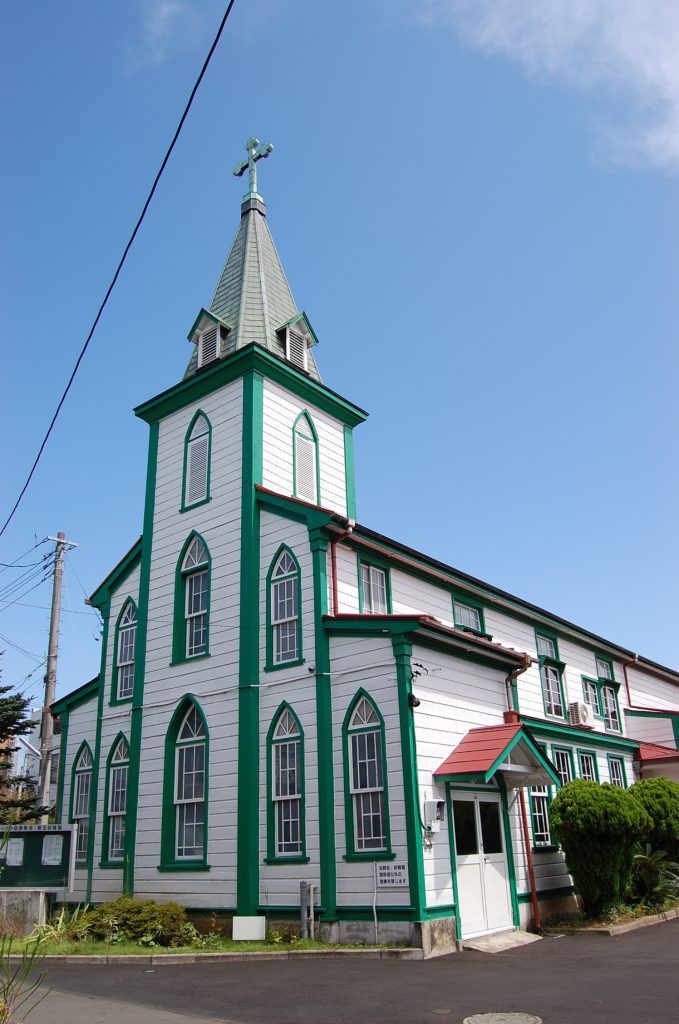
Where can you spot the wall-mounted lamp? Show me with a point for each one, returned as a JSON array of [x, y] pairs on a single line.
[[413, 701]]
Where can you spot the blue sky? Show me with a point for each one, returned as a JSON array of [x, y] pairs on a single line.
[[476, 205]]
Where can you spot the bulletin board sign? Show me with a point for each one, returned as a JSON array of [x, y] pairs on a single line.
[[38, 857]]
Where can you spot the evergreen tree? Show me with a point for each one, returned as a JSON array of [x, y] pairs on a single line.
[[18, 795]]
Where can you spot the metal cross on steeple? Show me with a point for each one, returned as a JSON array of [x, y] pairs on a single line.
[[255, 153]]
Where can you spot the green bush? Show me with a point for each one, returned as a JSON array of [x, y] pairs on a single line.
[[597, 827], [660, 798], [655, 879], [142, 921]]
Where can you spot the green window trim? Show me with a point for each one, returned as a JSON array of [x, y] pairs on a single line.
[[621, 762], [546, 662], [168, 835], [185, 505], [271, 665], [352, 852], [272, 856], [383, 566], [603, 683], [460, 598], [564, 750], [179, 641], [84, 746], [311, 436], [589, 753], [114, 699], [105, 861]]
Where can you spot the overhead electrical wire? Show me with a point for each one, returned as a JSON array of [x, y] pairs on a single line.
[[120, 264], [12, 565]]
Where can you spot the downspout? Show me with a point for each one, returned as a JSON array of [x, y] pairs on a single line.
[[625, 666], [512, 715], [351, 523]]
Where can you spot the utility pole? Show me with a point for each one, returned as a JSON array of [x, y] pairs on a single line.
[[47, 723]]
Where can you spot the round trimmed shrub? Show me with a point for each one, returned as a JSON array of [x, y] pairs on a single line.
[[597, 827], [660, 798]]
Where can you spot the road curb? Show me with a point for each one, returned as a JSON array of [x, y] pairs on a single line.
[[616, 929], [406, 953]]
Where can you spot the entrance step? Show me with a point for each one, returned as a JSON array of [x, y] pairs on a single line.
[[500, 941]]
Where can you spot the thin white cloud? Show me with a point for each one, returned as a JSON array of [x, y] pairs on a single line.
[[166, 25], [627, 48]]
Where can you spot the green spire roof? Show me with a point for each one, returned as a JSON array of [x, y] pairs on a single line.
[[252, 300]]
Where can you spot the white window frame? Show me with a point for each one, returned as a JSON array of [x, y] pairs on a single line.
[[467, 615], [551, 690], [194, 804], [617, 764], [609, 707], [374, 594], [589, 774], [590, 693], [284, 607], [286, 797], [368, 797], [126, 653], [196, 567], [559, 754], [539, 798], [82, 796], [604, 670], [117, 801]]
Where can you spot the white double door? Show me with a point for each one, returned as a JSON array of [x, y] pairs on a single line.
[[481, 862]]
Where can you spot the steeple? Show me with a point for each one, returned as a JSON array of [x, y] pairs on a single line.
[[253, 300]]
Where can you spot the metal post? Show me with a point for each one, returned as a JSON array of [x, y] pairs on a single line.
[[47, 723], [304, 908]]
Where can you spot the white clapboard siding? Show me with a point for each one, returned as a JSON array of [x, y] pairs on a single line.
[[213, 681], [411, 594], [274, 531], [81, 727], [651, 691], [347, 580], [651, 730], [281, 409], [367, 663], [455, 696]]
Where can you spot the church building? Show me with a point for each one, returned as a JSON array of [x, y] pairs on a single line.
[[286, 695]]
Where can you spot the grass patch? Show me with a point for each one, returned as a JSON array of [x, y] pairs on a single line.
[[622, 913], [68, 947]]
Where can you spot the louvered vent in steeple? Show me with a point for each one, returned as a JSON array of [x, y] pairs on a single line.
[[208, 346], [297, 349]]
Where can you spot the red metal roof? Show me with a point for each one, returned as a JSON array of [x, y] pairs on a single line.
[[656, 752], [479, 750]]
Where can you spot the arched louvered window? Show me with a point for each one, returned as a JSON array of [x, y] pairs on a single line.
[[116, 803], [208, 345], [284, 634], [197, 444], [305, 459], [81, 793], [125, 648], [365, 765], [192, 601], [286, 786]]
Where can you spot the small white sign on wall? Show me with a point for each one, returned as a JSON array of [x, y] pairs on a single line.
[[52, 848], [392, 875], [15, 853]]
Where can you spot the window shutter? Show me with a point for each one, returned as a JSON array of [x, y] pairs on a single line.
[[305, 468], [197, 470], [207, 346]]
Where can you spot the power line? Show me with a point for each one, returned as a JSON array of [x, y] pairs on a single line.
[[22, 650], [120, 264], [10, 565]]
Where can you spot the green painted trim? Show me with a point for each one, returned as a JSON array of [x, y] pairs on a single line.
[[294, 509], [403, 650], [621, 760], [483, 778], [113, 699], [251, 359], [351, 852], [118, 575], [460, 597], [546, 661], [546, 894], [436, 913], [324, 727], [247, 848], [568, 734], [564, 750], [295, 320], [376, 563], [105, 610], [105, 823], [633, 713], [63, 752], [509, 852], [675, 731], [211, 316], [168, 831], [179, 655], [77, 697], [453, 863], [592, 754], [140, 665], [349, 472], [306, 415], [271, 856], [93, 786], [271, 665], [203, 501]]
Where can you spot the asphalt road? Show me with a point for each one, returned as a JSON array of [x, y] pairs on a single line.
[[567, 980]]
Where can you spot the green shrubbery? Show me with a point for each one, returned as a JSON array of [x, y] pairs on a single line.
[[124, 920], [598, 827], [660, 798]]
